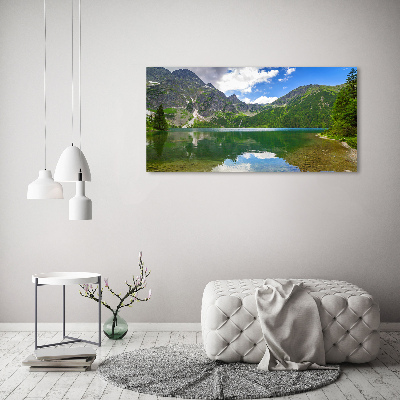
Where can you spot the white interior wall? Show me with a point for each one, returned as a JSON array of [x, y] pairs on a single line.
[[191, 227]]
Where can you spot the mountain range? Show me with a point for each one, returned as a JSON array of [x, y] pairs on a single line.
[[189, 102]]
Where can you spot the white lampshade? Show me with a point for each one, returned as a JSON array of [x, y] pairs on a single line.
[[71, 161], [80, 206], [44, 187]]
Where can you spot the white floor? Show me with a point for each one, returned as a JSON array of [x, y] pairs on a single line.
[[379, 379]]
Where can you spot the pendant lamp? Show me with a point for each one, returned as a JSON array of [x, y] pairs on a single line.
[[72, 162], [44, 186], [72, 165], [80, 206]]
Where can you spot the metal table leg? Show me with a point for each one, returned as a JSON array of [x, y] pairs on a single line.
[[63, 311], [100, 297], [36, 286], [73, 339]]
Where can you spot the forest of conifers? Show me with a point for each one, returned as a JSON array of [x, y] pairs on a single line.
[[344, 112]]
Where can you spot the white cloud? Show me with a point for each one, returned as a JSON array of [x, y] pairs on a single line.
[[288, 72], [285, 87], [261, 156], [264, 100], [243, 79], [259, 100], [247, 90], [232, 168]]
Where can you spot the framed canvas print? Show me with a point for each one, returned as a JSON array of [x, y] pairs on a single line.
[[251, 119]]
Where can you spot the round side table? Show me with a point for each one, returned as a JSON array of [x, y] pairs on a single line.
[[66, 278]]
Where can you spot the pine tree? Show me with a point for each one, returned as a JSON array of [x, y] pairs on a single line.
[[344, 112], [159, 122]]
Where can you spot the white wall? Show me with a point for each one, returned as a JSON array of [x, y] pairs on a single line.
[[192, 228]]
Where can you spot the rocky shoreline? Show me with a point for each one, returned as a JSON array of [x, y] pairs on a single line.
[[352, 152]]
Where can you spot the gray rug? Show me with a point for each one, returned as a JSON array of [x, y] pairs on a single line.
[[185, 371]]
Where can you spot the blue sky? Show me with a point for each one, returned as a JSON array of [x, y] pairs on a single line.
[[263, 85]]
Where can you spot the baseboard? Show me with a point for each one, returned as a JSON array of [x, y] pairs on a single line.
[[138, 327], [390, 327], [92, 327]]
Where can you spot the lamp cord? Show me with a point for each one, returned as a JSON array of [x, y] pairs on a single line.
[[44, 84], [79, 85], [79, 88], [72, 68], [79, 76]]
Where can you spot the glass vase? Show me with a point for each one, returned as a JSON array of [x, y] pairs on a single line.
[[115, 327]]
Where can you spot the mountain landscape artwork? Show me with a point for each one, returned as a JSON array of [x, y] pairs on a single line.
[[251, 119]]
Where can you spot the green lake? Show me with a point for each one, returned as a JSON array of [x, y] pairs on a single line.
[[246, 150]]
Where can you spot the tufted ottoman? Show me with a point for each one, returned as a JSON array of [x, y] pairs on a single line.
[[231, 330]]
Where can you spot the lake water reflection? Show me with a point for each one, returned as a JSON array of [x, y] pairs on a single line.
[[244, 150]]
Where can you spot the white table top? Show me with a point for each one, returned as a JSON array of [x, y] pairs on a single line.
[[65, 278]]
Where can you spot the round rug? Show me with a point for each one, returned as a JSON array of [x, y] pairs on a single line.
[[185, 371]]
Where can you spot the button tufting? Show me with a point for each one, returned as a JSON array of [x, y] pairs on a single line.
[[329, 295]]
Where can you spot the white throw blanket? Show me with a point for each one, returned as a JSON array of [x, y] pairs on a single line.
[[291, 327]]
